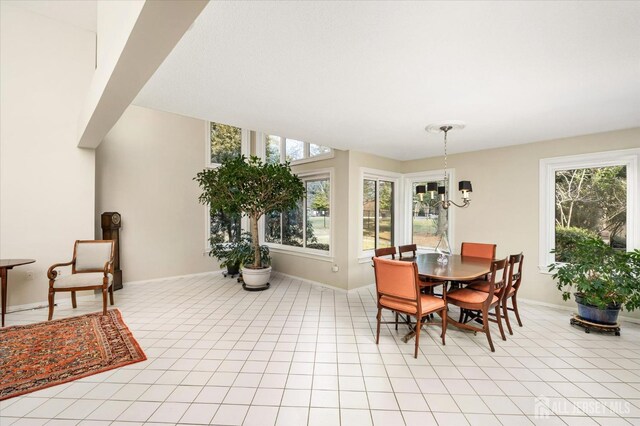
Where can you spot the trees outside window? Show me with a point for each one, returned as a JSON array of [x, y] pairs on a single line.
[[378, 220]]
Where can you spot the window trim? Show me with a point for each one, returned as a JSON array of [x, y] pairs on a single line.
[[431, 175], [245, 149], [399, 208], [261, 149], [548, 168], [304, 251]]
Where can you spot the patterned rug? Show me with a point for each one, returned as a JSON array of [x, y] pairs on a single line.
[[37, 356]]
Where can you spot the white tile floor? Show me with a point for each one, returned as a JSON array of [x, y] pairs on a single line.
[[300, 354]]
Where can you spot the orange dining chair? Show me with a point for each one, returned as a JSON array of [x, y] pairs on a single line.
[[510, 291], [409, 248], [398, 290], [485, 251], [479, 303]]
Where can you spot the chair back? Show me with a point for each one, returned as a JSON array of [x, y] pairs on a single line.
[[485, 251], [515, 272], [498, 280], [92, 255], [408, 248], [397, 279], [387, 251]]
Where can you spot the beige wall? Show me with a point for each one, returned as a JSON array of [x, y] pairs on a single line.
[[46, 182], [505, 206], [144, 171], [316, 269]]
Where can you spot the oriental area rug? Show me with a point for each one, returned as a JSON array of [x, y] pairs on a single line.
[[37, 356]]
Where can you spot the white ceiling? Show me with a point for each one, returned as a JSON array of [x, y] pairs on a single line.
[[370, 76], [81, 13]]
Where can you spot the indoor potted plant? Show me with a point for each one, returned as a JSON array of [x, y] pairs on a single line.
[[251, 188], [604, 279], [235, 254]]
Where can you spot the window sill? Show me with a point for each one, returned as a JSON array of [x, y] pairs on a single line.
[[301, 252]]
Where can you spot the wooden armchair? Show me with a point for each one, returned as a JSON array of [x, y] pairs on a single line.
[[91, 269]]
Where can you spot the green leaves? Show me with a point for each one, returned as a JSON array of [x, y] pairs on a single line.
[[603, 275], [251, 188]]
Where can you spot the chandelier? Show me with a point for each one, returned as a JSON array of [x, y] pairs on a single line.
[[464, 186]]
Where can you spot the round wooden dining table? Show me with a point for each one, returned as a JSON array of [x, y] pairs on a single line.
[[456, 268]]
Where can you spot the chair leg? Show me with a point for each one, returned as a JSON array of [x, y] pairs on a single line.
[[378, 328], [111, 295], [461, 315], [444, 325], [418, 326], [104, 301], [515, 309], [73, 300], [505, 314], [487, 330], [499, 320], [51, 299], [396, 321]]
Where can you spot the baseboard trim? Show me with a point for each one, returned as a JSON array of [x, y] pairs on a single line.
[[314, 283], [571, 309]]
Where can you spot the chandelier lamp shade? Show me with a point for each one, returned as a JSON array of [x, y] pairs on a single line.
[[464, 186]]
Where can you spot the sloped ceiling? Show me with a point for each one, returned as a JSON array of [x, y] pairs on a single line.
[[370, 76]]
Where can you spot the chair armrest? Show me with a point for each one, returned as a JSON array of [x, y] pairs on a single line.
[[52, 273], [108, 268]]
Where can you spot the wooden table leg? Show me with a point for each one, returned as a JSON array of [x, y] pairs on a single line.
[[3, 278]]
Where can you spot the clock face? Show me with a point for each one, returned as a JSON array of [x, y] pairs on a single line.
[[115, 218]]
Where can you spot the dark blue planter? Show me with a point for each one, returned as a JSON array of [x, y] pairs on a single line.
[[594, 314]]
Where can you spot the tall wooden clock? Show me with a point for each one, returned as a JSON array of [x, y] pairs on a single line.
[[111, 224]]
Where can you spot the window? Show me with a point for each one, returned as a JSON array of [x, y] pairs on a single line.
[[309, 224], [429, 221], [281, 149], [223, 141], [588, 195], [378, 221]]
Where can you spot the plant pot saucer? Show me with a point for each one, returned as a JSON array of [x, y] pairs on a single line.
[[261, 288], [588, 325]]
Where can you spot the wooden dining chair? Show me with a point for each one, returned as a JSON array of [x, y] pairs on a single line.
[[398, 290], [91, 269], [510, 291], [386, 251], [478, 303], [409, 248], [485, 251]]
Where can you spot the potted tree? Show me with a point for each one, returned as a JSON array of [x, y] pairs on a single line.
[[605, 280], [251, 188], [235, 254]]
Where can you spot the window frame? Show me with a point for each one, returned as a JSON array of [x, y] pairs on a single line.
[[245, 148], [261, 150], [325, 173], [548, 168], [427, 176], [398, 207]]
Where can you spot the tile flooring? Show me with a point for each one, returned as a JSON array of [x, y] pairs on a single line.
[[301, 354]]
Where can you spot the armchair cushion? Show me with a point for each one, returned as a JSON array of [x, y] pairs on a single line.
[[86, 279]]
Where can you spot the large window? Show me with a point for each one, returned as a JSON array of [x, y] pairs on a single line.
[[378, 221], [309, 224], [592, 195], [429, 221], [223, 142], [279, 149]]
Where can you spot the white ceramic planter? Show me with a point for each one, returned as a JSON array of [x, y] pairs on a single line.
[[255, 279]]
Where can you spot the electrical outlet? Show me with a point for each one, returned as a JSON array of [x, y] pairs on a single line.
[[335, 268]]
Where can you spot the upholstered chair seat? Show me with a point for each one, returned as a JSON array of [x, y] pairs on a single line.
[[75, 280]]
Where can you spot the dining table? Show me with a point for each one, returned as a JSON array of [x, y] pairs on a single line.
[[436, 268], [5, 265]]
